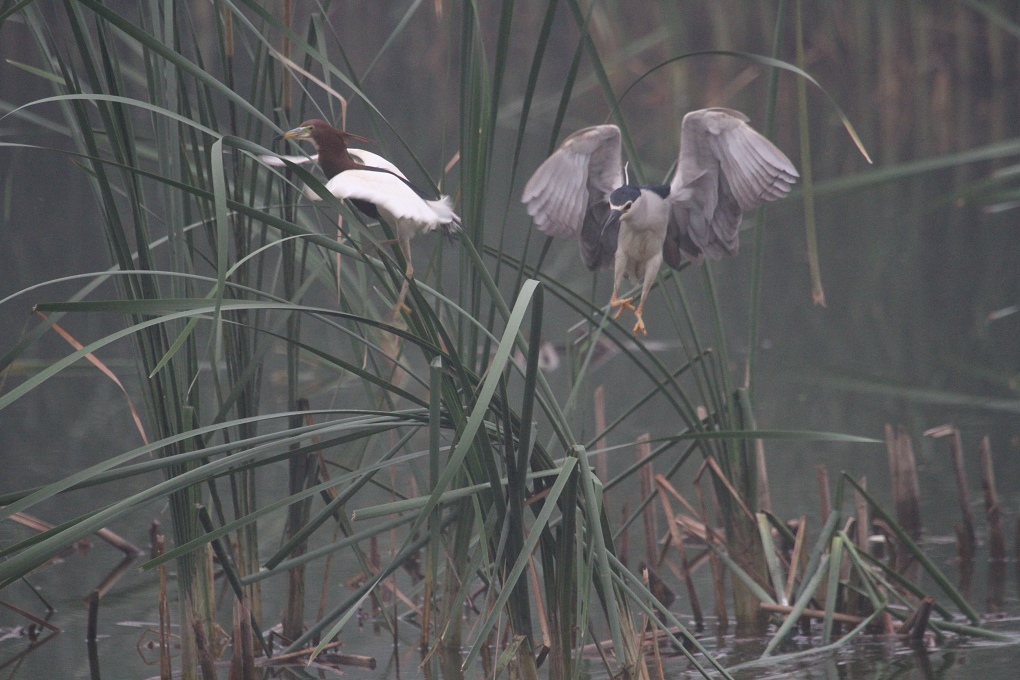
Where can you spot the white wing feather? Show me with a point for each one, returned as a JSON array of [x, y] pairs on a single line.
[[394, 199], [374, 160], [278, 161], [368, 158]]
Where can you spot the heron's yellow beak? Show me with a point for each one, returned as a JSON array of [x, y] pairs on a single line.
[[298, 133]]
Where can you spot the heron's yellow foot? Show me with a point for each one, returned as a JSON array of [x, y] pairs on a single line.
[[620, 305], [639, 327]]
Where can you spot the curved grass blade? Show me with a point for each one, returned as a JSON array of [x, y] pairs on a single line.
[[764, 61], [916, 552], [541, 522], [798, 608], [824, 649], [807, 177], [832, 589], [640, 594]]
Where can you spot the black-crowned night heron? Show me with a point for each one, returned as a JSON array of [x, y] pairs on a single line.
[[375, 186], [725, 168]]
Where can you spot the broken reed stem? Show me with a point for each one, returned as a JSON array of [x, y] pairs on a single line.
[[42, 623], [643, 450], [966, 542], [764, 495], [288, 20], [658, 636], [651, 626], [373, 563], [798, 548], [536, 589], [996, 585], [242, 655], [93, 619], [906, 489], [602, 459], [1016, 542], [824, 500], [157, 546], [810, 613], [718, 575], [861, 518], [92, 634], [625, 535], [115, 575], [205, 657], [917, 622], [912, 490], [326, 580], [119, 542], [678, 543], [301, 472], [329, 654], [993, 513]]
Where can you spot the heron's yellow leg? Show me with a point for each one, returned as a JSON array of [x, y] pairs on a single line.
[[405, 248], [619, 267], [651, 271], [639, 327], [620, 304]]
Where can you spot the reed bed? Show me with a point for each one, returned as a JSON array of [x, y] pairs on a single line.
[[438, 436]]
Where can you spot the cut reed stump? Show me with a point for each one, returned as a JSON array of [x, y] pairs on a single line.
[[1016, 544], [993, 513], [808, 614], [643, 449], [965, 540], [242, 656], [601, 460], [676, 535], [915, 625], [302, 473], [92, 633], [906, 489], [824, 500]]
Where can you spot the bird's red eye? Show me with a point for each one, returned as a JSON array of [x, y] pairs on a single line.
[[626, 207]]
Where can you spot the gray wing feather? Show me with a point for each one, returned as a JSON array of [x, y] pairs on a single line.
[[725, 169], [583, 172]]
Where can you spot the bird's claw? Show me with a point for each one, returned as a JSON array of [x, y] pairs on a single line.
[[620, 305], [639, 327]]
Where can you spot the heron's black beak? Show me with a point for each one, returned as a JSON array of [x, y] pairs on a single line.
[[612, 220]]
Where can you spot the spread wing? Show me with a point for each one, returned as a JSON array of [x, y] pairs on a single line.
[[279, 161], [598, 240], [390, 194], [374, 160], [575, 180], [360, 155], [276, 161], [725, 169]]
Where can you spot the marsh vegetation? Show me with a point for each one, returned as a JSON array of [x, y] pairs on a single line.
[[503, 478]]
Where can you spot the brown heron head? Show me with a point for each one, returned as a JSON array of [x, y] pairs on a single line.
[[318, 131]]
